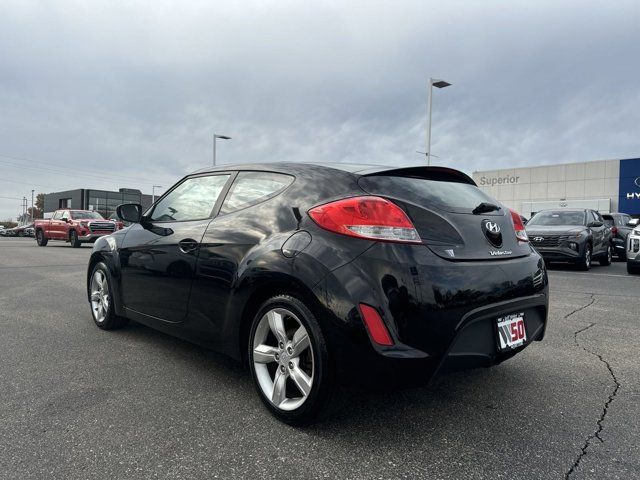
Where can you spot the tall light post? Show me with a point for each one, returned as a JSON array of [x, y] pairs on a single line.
[[215, 137], [153, 193], [33, 215], [438, 84]]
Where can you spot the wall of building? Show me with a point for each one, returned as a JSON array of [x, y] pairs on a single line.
[[102, 201], [52, 200], [552, 186]]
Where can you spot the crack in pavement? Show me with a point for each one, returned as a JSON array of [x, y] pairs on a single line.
[[605, 408]]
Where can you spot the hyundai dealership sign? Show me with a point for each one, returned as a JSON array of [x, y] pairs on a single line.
[[629, 186]]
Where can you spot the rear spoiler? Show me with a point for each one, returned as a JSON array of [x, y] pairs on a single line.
[[427, 173]]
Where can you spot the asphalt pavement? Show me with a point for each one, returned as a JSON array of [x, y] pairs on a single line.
[[80, 403]]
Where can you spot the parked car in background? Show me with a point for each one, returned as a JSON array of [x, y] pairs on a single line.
[[621, 225], [574, 236], [29, 231], [21, 230], [73, 226], [633, 250], [311, 273]]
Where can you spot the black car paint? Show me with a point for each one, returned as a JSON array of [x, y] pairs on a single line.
[[435, 307]]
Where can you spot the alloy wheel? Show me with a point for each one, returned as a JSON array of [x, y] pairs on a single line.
[[99, 296], [283, 359], [587, 257]]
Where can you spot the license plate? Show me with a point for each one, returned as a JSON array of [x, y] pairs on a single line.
[[511, 331]]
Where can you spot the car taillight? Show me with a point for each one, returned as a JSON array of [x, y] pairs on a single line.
[[614, 230], [518, 226], [373, 218]]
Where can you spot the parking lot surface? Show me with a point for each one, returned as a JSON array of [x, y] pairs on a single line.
[[78, 402]]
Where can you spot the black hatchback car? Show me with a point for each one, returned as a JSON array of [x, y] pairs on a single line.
[[317, 273]]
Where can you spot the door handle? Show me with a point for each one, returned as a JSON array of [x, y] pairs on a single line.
[[187, 245]]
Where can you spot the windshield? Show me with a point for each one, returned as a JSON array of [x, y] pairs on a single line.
[[78, 215], [558, 218]]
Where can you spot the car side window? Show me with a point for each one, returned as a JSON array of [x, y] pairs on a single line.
[[251, 188], [57, 216], [193, 199], [65, 215]]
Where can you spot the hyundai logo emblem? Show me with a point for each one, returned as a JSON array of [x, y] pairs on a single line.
[[637, 182], [492, 227], [538, 239]]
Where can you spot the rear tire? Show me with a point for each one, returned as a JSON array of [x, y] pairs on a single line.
[[289, 360], [100, 288], [585, 261], [40, 239], [606, 260], [73, 239]]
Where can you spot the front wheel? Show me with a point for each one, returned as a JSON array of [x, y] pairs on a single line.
[[40, 239], [585, 261], [101, 299], [289, 360], [73, 239], [606, 260]]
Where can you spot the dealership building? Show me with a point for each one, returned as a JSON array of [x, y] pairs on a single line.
[[604, 185], [101, 201]]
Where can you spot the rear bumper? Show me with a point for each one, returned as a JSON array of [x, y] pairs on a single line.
[[442, 315]]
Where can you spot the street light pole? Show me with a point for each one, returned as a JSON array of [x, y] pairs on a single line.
[[438, 84], [221, 137], [32, 214], [153, 193]]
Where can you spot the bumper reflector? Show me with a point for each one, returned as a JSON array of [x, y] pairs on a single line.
[[375, 325]]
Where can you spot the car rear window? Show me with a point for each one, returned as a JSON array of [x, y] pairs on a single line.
[[421, 191]]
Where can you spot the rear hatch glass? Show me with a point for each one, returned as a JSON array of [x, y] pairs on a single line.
[[442, 210]]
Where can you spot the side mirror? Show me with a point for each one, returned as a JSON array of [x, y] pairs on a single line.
[[595, 224], [129, 212]]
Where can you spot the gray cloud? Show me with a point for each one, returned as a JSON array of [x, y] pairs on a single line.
[[135, 90]]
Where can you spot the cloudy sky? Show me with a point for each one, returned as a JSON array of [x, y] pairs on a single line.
[[127, 94]]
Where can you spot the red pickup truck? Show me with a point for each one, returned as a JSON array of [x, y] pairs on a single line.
[[73, 226]]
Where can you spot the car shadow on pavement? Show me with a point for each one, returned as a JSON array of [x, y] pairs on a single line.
[[470, 393]]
